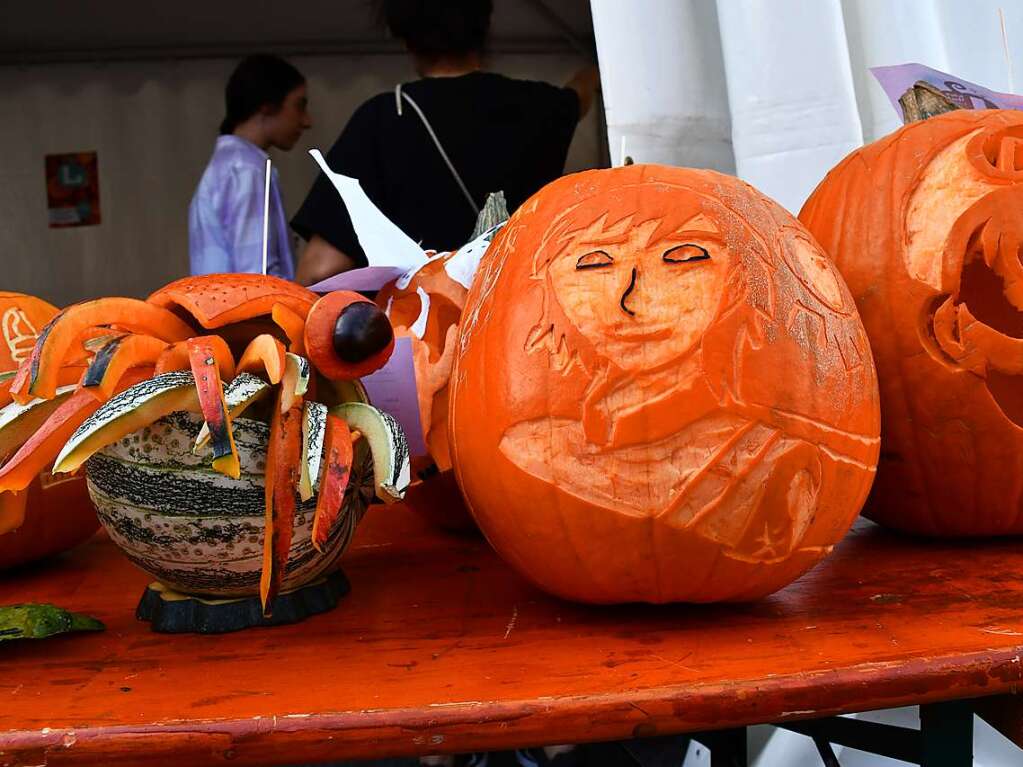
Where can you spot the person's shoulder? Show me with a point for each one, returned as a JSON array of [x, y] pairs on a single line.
[[540, 97], [237, 154], [528, 88], [373, 107]]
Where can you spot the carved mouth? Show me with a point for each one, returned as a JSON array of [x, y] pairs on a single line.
[[625, 332], [983, 292]]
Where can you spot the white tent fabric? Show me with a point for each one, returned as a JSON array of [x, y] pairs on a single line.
[[778, 91]]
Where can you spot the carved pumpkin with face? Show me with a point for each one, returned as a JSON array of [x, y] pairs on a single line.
[[662, 391], [926, 225]]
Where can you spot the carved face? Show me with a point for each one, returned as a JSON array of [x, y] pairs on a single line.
[[964, 240], [926, 226], [644, 301], [659, 366]]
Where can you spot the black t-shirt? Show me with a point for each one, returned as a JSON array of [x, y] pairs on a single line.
[[500, 134]]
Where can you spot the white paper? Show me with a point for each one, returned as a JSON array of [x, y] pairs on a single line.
[[383, 242], [419, 326], [462, 266]]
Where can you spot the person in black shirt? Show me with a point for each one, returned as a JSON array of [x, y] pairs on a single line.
[[430, 152]]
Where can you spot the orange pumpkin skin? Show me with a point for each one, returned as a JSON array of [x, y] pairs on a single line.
[[58, 512], [434, 495], [662, 391], [21, 319], [58, 516], [926, 226], [216, 300]]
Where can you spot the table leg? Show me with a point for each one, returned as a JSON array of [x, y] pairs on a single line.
[[727, 747], [946, 734]]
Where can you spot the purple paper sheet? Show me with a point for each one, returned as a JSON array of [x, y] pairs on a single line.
[[366, 278], [393, 389], [896, 80]]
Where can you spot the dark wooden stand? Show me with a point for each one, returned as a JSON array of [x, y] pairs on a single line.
[[169, 612]]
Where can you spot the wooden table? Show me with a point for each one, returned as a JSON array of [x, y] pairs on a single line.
[[441, 648]]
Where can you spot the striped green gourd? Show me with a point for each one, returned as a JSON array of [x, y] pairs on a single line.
[[199, 531]]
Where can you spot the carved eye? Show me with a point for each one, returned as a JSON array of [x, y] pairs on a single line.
[[594, 260], [684, 254]]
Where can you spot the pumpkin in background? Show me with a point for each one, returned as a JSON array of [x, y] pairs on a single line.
[[58, 516], [58, 512], [21, 319], [662, 391], [926, 225], [427, 308]]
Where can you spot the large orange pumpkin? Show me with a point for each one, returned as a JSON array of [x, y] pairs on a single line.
[[662, 391], [926, 225], [58, 512]]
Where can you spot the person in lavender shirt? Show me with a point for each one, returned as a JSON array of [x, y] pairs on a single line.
[[266, 107]]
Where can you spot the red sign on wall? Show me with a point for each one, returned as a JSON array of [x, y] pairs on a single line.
[[72, 189]]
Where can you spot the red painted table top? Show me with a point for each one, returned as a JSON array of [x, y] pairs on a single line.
[[440, 647]]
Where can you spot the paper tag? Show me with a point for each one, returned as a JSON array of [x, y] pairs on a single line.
[[365, 278], [945, 91], [393, 389]]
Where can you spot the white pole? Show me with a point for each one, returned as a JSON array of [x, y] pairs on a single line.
[[1005, 46], [266, 210]]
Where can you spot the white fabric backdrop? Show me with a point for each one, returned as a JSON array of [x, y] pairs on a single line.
[[778, 90]]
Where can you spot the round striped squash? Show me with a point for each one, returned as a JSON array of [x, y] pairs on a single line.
[[201, 532]]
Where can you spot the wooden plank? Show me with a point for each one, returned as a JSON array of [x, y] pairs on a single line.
[[442, 648]]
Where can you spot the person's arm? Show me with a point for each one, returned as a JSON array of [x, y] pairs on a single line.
[[320, 260], [242, 220], [585, 83]]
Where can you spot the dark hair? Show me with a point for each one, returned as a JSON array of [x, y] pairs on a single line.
[[439, 27], [258, 80]]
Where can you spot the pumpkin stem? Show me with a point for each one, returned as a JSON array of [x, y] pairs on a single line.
[[495, 211]]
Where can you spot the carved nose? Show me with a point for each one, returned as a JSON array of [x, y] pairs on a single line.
[[623, 303]]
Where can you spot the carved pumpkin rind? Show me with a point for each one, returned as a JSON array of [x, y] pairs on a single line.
[[926, 227], [694, 425], [427, 309]]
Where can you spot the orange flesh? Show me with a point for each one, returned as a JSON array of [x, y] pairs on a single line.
[[132, 351], [12, 510], [215, 300], [281, 479], [42, 448], [293, 326], [214, 408], [333, 479], [176, 357], [69, 374], [56, 341], [263, 355]]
